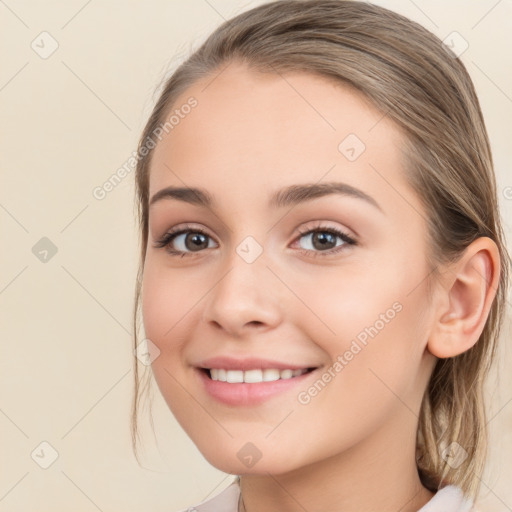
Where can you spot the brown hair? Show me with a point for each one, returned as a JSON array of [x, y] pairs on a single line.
[[411, 77]]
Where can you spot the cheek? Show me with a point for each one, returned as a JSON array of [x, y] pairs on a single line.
[[164, 312], [158, 307], [171, 311], [374, 318], [164, 318], [342, 302], [167, 304], [372, 296]]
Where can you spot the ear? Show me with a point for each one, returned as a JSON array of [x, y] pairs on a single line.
[[469, 288]]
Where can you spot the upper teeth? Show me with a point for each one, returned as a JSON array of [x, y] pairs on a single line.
[[266, 375]]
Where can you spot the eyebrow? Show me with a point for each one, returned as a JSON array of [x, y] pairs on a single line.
[[291, 195]]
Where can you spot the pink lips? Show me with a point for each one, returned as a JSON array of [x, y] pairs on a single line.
[[244, 393]]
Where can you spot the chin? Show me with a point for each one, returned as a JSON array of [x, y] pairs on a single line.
[[248, 460]]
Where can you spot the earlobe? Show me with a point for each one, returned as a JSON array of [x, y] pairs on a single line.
[[468, 290]]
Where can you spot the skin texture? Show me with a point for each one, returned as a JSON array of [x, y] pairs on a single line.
[[352, 447]]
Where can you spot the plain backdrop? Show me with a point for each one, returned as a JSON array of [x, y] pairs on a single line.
[[69, 120]]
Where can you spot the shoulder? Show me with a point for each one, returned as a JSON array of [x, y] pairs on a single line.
[[449, 499], [226, 500]]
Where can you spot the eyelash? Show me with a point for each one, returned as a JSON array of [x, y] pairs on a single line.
[[168, 237]]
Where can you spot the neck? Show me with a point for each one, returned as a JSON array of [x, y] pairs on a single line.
[[378, 474]]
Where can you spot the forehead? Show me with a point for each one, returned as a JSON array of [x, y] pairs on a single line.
[[252, 132]]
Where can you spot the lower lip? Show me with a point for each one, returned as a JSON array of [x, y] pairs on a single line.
[[249, 393]]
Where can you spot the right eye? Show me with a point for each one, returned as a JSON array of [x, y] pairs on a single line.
[[184, 242]]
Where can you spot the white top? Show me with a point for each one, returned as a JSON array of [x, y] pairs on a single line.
[[448, 499]]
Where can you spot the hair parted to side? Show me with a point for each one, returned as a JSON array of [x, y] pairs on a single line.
[[408, 74]]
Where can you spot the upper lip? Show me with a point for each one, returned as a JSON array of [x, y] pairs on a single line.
[[230, 363]]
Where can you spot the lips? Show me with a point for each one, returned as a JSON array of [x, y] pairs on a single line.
[[250, 381]]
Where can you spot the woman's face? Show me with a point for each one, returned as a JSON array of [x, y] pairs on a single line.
[[269, 284]]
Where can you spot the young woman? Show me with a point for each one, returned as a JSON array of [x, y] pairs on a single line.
[[323, 270]]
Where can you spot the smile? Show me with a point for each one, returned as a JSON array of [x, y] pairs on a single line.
[[251, 387]]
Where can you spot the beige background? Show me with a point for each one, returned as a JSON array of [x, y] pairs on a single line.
[[69, 121]]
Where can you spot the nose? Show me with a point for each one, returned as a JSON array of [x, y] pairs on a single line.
[[245, 298]]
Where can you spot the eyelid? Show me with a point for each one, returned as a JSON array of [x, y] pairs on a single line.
[[323, 225]]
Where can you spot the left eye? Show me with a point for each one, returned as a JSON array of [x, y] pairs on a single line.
[[324, 240]]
